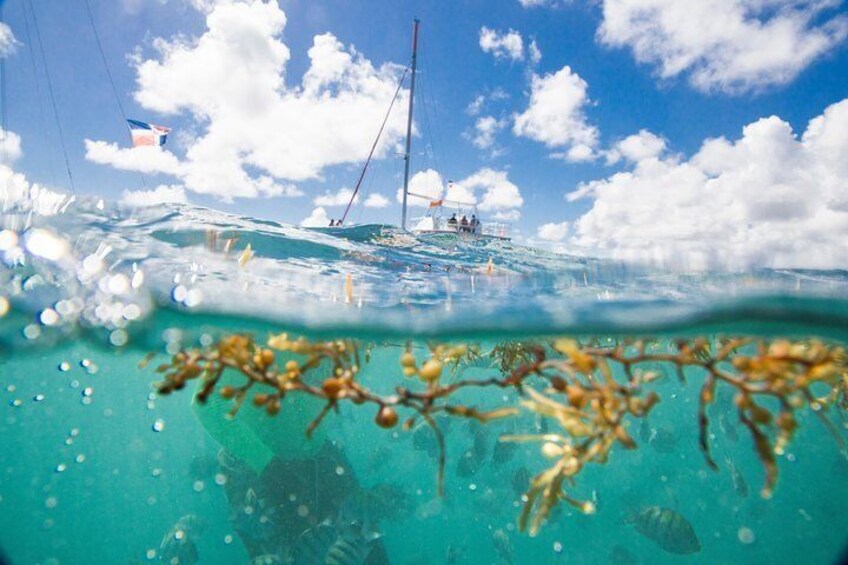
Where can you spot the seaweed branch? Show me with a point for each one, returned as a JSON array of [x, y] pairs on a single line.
[[592, 392]]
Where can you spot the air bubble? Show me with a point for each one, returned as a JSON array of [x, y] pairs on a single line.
[[38, 398], [557, 547], [340, 470], [220, 479], [745, 535], [60, 468], [51, 502], [64, 366], [198, 486], [32, 331], [303, 511], [151, 554], [159, 425]]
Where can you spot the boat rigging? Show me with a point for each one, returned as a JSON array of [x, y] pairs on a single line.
[[433, 222]]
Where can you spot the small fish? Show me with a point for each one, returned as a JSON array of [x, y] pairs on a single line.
[[269, 559], [739, 483], [424, 439], [521, 481], [667, 528], [645, 430], [179, 547], [454, 555], [663, 440], [329, 544], [727, 428], [503, 452], [621, 556], [503, 546], [468, 464], [252, 519], [203, 467]]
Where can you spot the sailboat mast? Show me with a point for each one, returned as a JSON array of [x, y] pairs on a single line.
[[406, 156]]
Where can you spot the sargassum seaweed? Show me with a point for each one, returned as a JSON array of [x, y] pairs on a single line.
[[592, 390]]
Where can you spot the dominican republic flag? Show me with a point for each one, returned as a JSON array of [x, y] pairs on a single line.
[[147, 134]]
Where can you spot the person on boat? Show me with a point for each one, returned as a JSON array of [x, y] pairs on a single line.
[[474, 223], [452, 222], [332, 223], [463, 224]]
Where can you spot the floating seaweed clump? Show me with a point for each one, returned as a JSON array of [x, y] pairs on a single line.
[[592, 390]]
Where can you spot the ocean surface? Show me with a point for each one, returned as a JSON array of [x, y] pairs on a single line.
[[97, 467]]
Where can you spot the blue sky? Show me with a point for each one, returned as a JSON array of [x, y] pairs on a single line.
[[678, 81]]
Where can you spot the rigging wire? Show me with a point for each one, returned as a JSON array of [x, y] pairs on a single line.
[[4, 124], [109, 74], [103, 58], [52, 97], [38, 94], [374, 146]]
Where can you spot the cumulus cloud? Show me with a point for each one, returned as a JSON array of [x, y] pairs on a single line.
[[146, 159], [534, 53], [769, 198], [485, 130], [499, 193], [340, 198], [8, 43], [317, 219], [538, 3], [258, 133], [424, 186], [488, 189], [162, 194], [636, 147], [554, 231], [503, 45], [727, 45], [10, 147], [556, 116], [376, 200]]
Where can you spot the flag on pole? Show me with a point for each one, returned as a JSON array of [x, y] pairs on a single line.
[[147, 134]]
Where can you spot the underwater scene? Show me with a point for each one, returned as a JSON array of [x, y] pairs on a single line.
[[187, 386]]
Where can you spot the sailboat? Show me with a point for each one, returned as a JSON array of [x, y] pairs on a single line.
[[443, 216]]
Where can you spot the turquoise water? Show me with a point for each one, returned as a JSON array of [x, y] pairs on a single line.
[[98, 468]]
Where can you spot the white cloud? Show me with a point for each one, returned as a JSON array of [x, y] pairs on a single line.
[[340, 198], [317, 219], [769, 198], [554, 231], [556, 115], [8, 43], [376, 200], [637, 147], [146, 159], [508, 216], [486, 128], [10, 147], [728, 45], [162, 194], [534, 53], [424, 186], [538, 3], [476, 105], [508, 45], [256, 133], [490, 190], [499, 193]]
